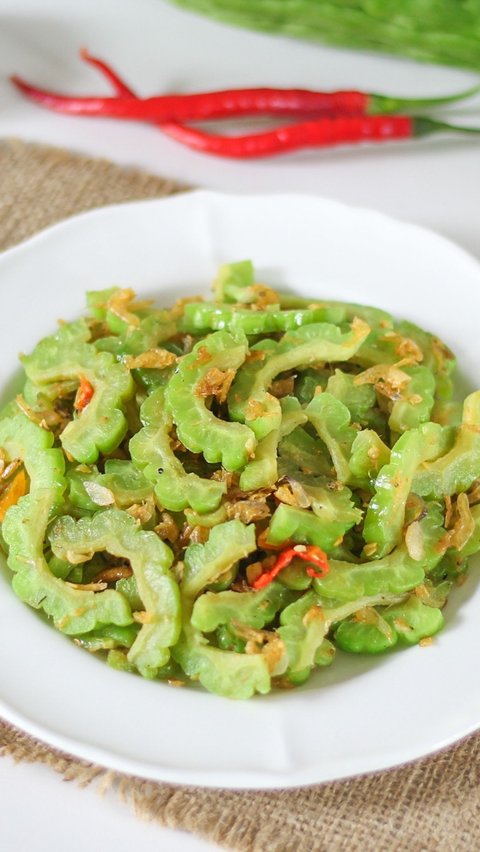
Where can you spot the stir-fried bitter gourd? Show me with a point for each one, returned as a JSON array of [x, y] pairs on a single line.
[[228, 491]]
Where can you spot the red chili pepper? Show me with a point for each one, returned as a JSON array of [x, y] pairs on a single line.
[[119, 85], [84, 394], [315, 133], [176, 131], [202, 106], [232, 102], [309, 553]]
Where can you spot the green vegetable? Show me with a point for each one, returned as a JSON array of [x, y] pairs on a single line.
[[359, 399], [116, 532], [386, 513], [417, 404], [303, 630], [256, 609], [227, 673], [413, 620], [300, 451], [249, 400], [206, 563], [73, 611], [365, 638], [45, 465], [67, 355], [204, 317], [262, 471], [198, 428], [394, 574], [368, 455], [443, 33], [331, 419], [106, 638], [211, 476], [459, 468], [122, 479], [151, 450]]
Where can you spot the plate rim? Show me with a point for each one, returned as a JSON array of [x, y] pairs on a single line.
[[200, 192]]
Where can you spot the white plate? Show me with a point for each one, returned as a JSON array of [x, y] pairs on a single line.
[[360, 715]]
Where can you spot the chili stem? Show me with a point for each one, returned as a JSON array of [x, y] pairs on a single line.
[[384, 104]]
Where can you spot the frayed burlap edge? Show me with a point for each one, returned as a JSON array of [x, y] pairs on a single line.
[[41, 185], [432, 805]]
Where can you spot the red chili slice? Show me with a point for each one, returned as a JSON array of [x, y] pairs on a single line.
[[84, 394], [309, 553]]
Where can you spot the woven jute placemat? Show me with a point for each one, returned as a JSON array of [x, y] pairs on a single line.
[[432, 804]]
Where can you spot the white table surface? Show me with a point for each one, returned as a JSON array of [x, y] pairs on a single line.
[[159, 48]]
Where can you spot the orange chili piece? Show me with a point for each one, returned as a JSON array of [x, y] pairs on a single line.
[[309, 553], [16, 489], [84, 394]]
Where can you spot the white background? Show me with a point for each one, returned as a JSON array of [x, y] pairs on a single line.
[[434, 182]]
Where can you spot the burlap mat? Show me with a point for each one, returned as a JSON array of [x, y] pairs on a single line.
[[432, 804]]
